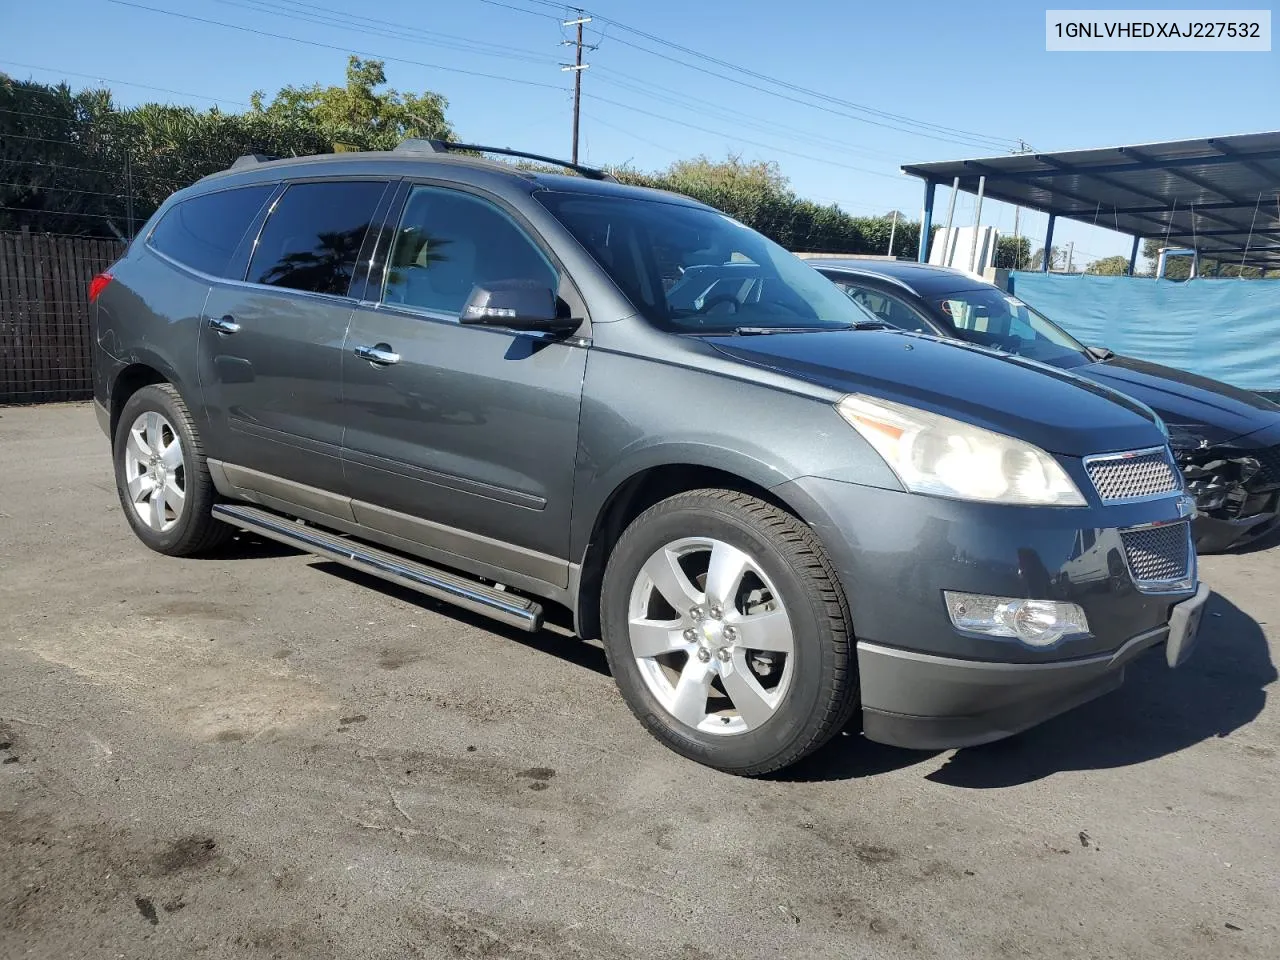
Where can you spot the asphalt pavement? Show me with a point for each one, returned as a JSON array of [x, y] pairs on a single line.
[[265, 755]]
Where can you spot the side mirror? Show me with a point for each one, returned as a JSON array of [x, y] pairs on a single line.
[[1100, 353], [515, 305]]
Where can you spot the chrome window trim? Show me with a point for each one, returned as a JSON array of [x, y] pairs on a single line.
[[256, 287], [1130, 455]]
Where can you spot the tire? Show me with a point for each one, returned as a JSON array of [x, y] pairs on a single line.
[[800, 696], [156, 440]]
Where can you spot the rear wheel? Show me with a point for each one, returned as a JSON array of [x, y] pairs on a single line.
[[727, 631], [162, 477]]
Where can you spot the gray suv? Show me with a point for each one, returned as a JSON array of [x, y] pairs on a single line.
[[515, 390]]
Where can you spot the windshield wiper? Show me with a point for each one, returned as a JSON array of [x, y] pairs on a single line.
[[765, 331]]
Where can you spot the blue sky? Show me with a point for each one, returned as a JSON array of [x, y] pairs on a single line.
[[978, 70]]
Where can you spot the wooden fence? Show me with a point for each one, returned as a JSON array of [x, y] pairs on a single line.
[[44, 314]]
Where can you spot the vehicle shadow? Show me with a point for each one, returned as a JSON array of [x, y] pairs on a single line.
[[556, 639], [1157, 711], [248, 546], [1265, 542], [848, 756]]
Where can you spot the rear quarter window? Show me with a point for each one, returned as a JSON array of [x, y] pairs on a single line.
[[203, 232]]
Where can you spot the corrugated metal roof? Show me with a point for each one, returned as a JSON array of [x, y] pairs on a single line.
[[1219, 194]]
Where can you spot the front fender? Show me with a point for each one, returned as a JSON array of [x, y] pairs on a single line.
[[681, 416]]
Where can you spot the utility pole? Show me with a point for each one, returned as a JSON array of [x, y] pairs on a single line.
[[1023, 147], [1017, 213], [577, 67], [1070, 248], [893, 229]]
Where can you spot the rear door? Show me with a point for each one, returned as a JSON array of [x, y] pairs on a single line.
[[466, 440], [270, 354]]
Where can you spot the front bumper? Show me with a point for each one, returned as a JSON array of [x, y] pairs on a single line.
[[1236, 486], [1216, 533], [925, 683], [926, 702]]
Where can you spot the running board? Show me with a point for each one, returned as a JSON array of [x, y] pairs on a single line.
[[509, 608]]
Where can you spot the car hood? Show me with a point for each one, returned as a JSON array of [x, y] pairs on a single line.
[[1220, 412], [1053, 409]]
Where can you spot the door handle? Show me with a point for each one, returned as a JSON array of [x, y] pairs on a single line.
[[379, 353], [224, 325]]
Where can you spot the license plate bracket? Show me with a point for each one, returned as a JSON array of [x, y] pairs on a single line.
[[1184, 626]]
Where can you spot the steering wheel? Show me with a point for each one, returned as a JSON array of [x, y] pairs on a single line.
[[717, 300]]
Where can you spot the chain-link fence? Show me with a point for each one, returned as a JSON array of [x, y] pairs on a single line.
[[44, 314]]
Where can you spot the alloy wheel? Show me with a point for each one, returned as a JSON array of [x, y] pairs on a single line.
[[711, 636], [155, 472]]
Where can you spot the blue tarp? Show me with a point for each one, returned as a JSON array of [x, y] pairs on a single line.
[[1225, 329]]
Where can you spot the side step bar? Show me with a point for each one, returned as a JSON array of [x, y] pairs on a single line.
[[510, 609]]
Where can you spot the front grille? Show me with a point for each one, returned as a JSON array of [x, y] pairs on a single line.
[[1130, 476], [1159, 554]]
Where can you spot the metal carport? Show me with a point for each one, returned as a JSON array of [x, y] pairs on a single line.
[[1219, 195]]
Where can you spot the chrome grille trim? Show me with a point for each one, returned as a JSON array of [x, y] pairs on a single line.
[[1160, 557], [1133, 475]]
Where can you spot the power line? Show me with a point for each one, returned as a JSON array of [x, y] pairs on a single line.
[[734, 116], [633, 135], [50, 116], [330, 46], [797, 88], [888, 120], [326, 16], [123, 83], [64, 166], [58, 213], [532, 13], [24, 136], [734, 136], [37, 186], [805, 103]]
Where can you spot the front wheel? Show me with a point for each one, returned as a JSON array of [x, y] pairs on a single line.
[[727, 631]]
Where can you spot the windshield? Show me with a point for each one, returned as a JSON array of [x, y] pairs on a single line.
[[694, 270], [992, 318]]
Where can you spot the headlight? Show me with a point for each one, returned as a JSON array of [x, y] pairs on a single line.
[[938, 455]]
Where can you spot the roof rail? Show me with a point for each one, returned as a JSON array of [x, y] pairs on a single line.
[[415, 145], [251, 160]]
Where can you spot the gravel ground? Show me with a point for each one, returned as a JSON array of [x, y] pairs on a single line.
[[264, 755]]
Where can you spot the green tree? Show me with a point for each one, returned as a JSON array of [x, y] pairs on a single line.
[[1013, 253], [1116, 266], [73, 162], [1057, 259], [384, 114], [732, 172]]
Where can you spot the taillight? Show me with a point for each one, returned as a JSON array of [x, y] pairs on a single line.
[[97, 285]]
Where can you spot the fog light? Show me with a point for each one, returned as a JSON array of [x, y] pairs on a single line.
[[1037, 623]]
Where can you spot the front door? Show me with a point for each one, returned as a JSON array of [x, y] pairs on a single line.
[[270, 352], [462, 438]]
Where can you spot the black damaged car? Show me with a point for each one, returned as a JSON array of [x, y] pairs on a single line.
[[1226, 440]]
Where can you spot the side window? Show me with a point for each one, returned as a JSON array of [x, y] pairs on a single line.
[[203, 232], [449, 242], [313, 237], [887, 307]]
